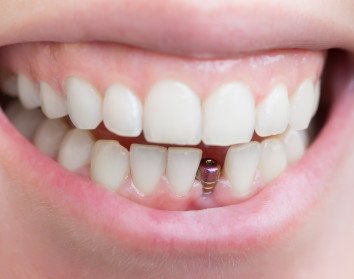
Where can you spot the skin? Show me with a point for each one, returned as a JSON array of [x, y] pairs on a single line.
[[41, 240]]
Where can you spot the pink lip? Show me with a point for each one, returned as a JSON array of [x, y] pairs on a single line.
[[182, 27], [261, 219]]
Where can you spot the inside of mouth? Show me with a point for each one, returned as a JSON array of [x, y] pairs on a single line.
[[156, 174]]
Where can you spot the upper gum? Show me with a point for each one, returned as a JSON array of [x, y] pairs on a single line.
[[103, 65]]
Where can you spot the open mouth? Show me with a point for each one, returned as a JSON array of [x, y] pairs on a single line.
[[164, 152], [168, 133]]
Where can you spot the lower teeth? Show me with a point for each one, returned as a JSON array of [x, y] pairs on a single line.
[[181, 171]]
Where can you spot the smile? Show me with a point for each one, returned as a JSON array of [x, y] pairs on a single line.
[[174, 146]]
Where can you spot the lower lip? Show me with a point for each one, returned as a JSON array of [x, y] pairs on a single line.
[[248, 225]]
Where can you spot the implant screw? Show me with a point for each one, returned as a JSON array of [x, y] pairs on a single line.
[[208, 174]]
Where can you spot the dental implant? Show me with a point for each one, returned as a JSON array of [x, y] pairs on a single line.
[[208, 174]]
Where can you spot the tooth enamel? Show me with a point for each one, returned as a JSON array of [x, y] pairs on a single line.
[[75, 149], [25, 121], [317, 97], [122, 111], [182, 166], [229, 115], [49, 135], [84, 104], [53, 105], [302, 105], [273, 159], [109, 164], [147, 164], [273, 113], [295, 143], [240, 167], [28, 92], [9, 85], [172, 114]]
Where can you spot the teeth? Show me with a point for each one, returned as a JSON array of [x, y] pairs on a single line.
[[25, 121], [147, 163], [84, 104], [75, 149], [229, 116], [317, 97], [273, 159], [240, 167], [273, 113], [49, 135], [122, 111], [28, 92], [302, 106], [295, 143], [182, 166], [9, 85], [53, 105], [172, 114], [109, 164]]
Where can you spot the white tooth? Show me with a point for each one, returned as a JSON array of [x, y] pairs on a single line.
[[229, 115], [295, 143], [317, 97], [84, 104], [13, 109], [240, 167], [49, 135], [182, 166], [122, 111], [302, 104], [26, 121], [53, 105], [109, 164], [9, 85], [273, 159], [75, 149], [172, 114], [28, 92], [273, 112], [147, 164]]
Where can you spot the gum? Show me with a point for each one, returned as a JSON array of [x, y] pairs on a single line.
[[103, 64]]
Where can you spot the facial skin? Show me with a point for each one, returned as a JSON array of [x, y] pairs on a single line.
[[40, 239]]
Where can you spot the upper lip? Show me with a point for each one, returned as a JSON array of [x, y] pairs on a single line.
[[182, 27]]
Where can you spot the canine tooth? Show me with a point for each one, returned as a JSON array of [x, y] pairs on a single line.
[[53, 105], [273, 112], [75, 149], [9, 84], [182, 166], [273, 159], [109, 164], [302, 105], [122, 111], [147, 164], [172, 114], [28, 92], [295, 143], [229, 115], [240, 167], [317, 97], [49, 136], [84, 104], [25, 121]]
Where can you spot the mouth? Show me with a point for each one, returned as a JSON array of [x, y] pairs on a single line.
[[158, 150]]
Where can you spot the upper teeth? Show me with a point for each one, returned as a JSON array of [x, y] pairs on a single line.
[[173, 114]]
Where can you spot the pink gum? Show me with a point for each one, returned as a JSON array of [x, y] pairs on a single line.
[[103, 64]]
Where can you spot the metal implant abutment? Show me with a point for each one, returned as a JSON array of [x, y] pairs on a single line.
[[208, 174]]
